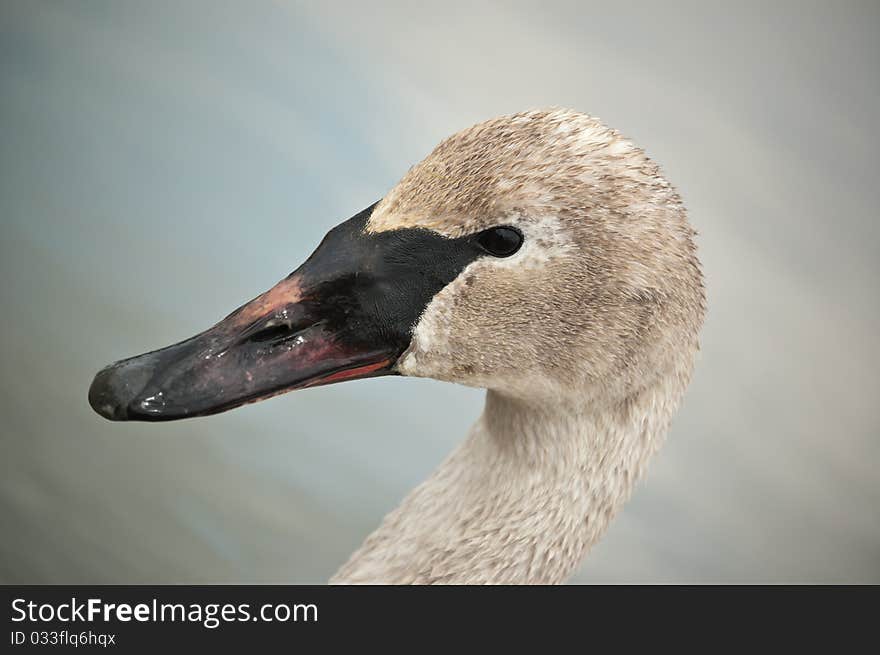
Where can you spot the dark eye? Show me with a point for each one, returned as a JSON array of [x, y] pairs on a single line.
[[500, 241]]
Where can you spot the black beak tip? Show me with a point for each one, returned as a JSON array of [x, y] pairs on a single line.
[[116, 391], [104, 396]]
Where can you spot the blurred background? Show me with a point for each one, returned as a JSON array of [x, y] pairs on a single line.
[[162, 162]]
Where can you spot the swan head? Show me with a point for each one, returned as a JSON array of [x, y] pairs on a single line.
[[540, 255], [605, 293]]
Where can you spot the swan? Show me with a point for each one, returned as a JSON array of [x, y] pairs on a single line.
[[540, 256]]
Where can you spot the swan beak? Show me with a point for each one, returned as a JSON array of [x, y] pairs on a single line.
[[277, 342], [325, 323]]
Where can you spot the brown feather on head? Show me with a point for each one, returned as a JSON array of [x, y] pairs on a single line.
[[606, 293]]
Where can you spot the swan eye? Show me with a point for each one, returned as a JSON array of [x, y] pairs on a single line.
[[500, 241]]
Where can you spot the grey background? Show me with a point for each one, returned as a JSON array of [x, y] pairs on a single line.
[[161, 162]]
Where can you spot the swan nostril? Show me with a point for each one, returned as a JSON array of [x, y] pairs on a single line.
[[271, 333], [276, 330]]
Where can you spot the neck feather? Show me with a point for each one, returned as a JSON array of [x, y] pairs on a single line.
[[522, 499]]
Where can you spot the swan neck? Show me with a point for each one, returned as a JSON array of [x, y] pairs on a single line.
[[522, 499]]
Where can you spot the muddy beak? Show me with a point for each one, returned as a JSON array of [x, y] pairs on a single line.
[[330, 320], [284, 339]]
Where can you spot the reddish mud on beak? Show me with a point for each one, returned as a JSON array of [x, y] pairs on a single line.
[[275, 343], [348, 312]]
